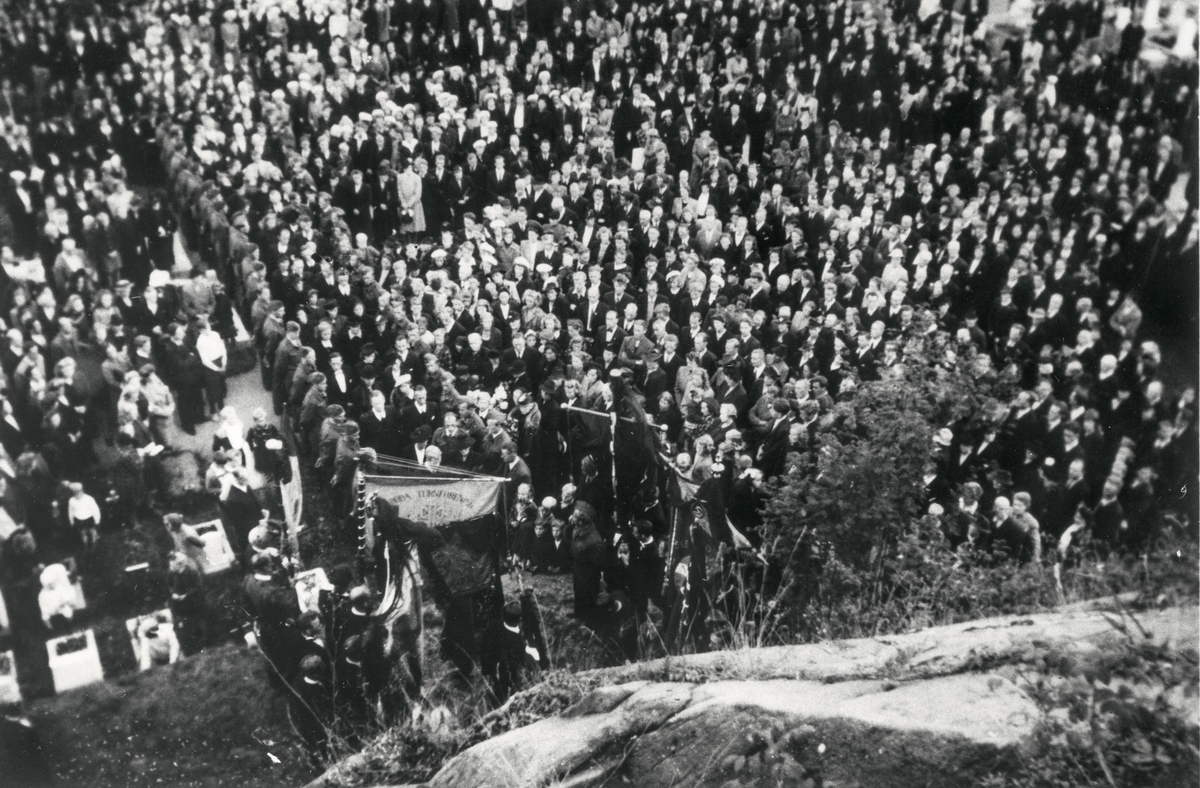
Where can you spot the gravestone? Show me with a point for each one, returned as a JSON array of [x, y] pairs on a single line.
[[9, 691], [74, 660], [308, 588], [218, 554]]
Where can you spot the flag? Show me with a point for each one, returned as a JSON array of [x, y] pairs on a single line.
[[737, 538], [456, 522], [292, 495], [635, 455], [701, 504]]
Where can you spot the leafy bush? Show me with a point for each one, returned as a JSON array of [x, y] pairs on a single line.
[[776, 757], [1126, 719], [851, 552]]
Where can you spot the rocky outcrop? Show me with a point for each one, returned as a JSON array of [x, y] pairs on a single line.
[[938, 651], [941, 707], [678, 733]]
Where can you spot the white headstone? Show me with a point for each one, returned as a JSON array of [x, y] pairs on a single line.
[[74, 660], [308, 588], [10, 692], [218, 555]]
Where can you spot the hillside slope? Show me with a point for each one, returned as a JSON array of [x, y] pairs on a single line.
[[210, 720]]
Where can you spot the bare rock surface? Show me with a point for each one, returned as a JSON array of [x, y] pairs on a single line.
[[932, 708]]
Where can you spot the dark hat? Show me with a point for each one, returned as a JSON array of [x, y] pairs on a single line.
[[421, 434], [312, 667], [368, 349], [366, 370], [585, 509], [517, 368]]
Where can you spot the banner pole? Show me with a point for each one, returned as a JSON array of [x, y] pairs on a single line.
[[668, 573]]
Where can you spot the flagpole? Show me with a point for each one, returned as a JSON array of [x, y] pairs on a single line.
[[612, 453], [668, 573], [607, 414]]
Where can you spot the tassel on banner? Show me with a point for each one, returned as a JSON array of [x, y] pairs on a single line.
[[360, 513]]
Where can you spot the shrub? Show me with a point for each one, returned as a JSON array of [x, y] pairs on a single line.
[[851, 552], [1127, 719]]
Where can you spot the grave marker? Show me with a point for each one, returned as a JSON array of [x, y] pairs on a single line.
[[74, 660]]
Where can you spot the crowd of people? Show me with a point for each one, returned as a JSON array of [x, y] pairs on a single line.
[[458, 233]]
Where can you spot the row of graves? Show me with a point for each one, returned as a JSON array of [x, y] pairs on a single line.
[[81, 646], [76, 638]]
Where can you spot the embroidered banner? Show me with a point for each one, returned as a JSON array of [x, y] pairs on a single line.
[[438, 502]]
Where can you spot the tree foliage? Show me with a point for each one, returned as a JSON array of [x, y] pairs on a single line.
[[857, 495]]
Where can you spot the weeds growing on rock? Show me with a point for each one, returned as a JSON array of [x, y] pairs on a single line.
[[1126, 718]]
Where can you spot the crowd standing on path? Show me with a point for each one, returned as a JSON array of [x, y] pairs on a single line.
[[458, 231]]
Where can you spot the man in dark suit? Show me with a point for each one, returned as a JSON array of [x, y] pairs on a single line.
[[419, 413], [772, 455], [435, 198], [499, 182], [182, 372], [379, 426], [732, 196], [590, 311], [620, 296], [609, 336], [672, 360], [340, 383], [756, 375], [287, 358], [727, 386], [354, 196], [503, 658], [516, 472], [460, 193]]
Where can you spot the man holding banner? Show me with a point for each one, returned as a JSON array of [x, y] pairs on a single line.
[[453, 529]]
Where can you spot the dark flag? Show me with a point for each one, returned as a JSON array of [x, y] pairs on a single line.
[[702, 505], [635, 458]]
